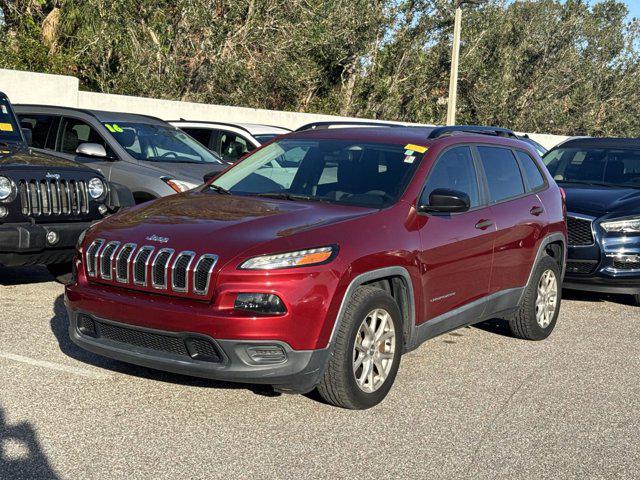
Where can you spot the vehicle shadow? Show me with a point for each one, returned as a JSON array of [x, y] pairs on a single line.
[[24, 275], [21, 456], [60, 328], [583, 296]]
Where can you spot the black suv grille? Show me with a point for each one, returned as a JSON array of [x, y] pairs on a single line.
[[584, 268], [53, 197], [196, 347], [579, 230]]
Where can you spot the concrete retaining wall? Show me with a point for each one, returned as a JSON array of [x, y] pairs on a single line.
[[30, 87]]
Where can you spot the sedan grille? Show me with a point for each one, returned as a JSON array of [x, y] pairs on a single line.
[[579, 230], [184, 272], [53, 197]]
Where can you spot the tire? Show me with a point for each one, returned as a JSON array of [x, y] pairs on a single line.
[[526, 323], [339, 386], [61, 272], [636, 298]]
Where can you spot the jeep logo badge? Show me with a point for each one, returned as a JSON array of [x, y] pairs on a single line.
[[55, 176], [156, 238]]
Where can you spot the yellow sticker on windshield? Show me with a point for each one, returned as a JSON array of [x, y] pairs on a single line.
[[6, 127], [117, 127], [109, 127], [416, 148]]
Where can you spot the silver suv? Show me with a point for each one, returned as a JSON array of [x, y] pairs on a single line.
[[148, 155]]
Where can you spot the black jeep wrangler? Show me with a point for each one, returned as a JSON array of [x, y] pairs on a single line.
[[46, 202]]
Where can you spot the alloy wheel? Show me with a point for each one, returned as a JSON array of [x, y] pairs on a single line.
[[374, 350], [547, 298]]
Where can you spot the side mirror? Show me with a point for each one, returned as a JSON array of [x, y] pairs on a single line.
[[444, 200], [91, 150], [28, 135]]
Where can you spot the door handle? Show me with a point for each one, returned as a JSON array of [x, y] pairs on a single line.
[[483, 224], [536, 211]]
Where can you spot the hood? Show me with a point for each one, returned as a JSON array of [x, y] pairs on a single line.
[[191, 172], [31, 158], [599, 200], [225, 225]]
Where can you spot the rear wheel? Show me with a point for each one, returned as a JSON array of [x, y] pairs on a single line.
[[367, 351], [538, 313], [61, 272]]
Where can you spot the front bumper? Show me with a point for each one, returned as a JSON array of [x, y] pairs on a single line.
[[608, 265], [26, 243], [227, 360]]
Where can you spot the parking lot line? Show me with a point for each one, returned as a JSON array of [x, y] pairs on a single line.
[[55, 366]]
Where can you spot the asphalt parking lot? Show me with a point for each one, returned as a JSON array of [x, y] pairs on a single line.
[[475, 403]]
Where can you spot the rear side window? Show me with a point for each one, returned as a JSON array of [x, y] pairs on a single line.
[[202, 135], [502, 172], [42, 127], [455, 170], [535, 179]]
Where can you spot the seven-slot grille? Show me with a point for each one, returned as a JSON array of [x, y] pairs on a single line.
[[53, 197], [182, 272], [579, 230]]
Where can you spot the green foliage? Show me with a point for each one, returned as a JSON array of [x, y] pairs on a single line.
[[555, 66]]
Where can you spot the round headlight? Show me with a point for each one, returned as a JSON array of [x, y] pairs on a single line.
[[96, 188], [6, 188]]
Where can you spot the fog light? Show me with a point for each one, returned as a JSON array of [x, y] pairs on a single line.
[[52, 237], [3, 212], [263, 303], [267, 354]]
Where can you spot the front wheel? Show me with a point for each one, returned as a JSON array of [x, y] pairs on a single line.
[[540, 307], [367, 351]]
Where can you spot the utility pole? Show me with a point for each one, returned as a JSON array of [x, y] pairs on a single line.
[[453, 77]]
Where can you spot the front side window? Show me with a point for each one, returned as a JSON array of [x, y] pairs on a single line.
[[336, 171], [159, 143], [75, 132], [502, 171], [9, 128], [599, 166], [231, 146], [454, 170]]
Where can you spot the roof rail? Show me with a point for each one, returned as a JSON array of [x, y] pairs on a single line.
[[346, 123], [477, 129], [225, 124]]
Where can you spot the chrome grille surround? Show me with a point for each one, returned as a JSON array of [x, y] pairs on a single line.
[[53, 197], [160, 266], [127, 264], [207, 262]]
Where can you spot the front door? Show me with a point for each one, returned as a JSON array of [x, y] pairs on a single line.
[[457, 248]]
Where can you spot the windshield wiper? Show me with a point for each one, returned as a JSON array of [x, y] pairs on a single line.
[[220, 190], [289, 196]]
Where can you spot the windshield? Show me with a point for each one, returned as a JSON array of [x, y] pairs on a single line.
[[336, 171], [614, 167], [9, 128], [160, 143]]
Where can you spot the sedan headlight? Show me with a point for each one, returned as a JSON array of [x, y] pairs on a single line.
[[179, 185], [6, 188], [623, 225], [300, 258], [96, 188]]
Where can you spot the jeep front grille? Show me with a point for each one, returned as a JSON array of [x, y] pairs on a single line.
[[164, 269], [53, 197]]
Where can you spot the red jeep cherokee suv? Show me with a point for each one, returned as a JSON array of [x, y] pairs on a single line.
[[321, 258]]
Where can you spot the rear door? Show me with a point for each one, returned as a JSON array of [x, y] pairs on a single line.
[[517, 211], [456, 248]]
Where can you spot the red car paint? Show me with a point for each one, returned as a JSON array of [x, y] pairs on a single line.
[[442, 254]]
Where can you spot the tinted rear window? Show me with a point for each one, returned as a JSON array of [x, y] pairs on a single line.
[[502, 171]]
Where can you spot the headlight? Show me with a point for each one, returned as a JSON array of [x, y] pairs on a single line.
[[301, 258], [6, 188], [624, 225], [179, 185], [96, 188]]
